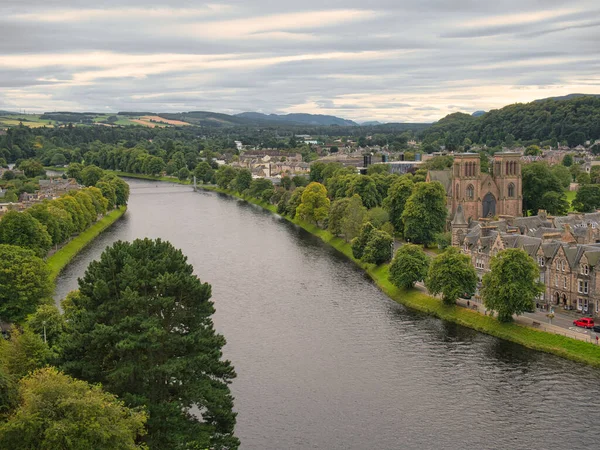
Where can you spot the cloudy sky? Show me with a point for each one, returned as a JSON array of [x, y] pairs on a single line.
[[387, 60]]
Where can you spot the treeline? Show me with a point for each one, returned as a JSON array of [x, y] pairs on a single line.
[[133, 353], [546, 122]]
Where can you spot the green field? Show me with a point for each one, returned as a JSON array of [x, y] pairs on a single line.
[[29, 120], [570, 197]]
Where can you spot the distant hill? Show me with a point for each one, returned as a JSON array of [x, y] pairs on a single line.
[[371, 123], [299, 119], [478, 113], [575, 120], [568, 97]]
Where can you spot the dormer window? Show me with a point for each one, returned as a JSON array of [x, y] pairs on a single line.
[[562, 265], [479, 249], [540, 260], [585, 269]]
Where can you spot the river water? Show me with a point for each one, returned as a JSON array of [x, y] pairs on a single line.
[[326, 361]]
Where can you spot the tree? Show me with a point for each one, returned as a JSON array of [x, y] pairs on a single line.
[[395, 202], [154, 165], [425, 213], [563, 175], [595, 149], [360, 242], [379, 248], [203, 172], [512, 285], [538, 179], [108, 192], [56, 411], [32, 168], [90, 175], [336, 215], [183, 174], [25, 231], [23, 353], [354, 217], [121, 189], [533, 150], [366, 188], [259, 186], [141, 325], [587, 198], [567, 160], [47, 322], [378, 216], [451, 274], [409, 266], [25, 283], [242, 181], [314, 206], [294, 202], [583, 178], [556, 203], [58, 160], [74, 171]]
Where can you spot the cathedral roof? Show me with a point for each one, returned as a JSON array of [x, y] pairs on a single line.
[[443, 176]]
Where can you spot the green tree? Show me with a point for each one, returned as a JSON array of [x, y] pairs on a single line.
[[315, 204], [203, 172], [567, 160], [538, 179], [25, 231], [425, 213], [294, 202], [360, 242], [587, 198], [121, 190], [141, 325], [555, 203], [378, 216], [56, 411], [563, 175], [242, 181], [583, 178], [409, 266], [25, 283], [74, 171], [258, 186], [533, 150], [336, 215], [452, 275], [183, 174], [47, 322], [354, 218], [154, 165], [24, 353], [58, 222], [512, 285], [108, 192], [90, 175], [379, 248], [395, 202], [366, 188], [32, 168]]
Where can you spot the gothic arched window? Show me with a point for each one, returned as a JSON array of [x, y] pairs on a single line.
[[470, 192], [457, 190], [511, 190]]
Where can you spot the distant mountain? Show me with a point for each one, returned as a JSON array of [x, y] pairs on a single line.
[[7, 113], [299, 119], [567, 97], [371, 123], [478, 113]]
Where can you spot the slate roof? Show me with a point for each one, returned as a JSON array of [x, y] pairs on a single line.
[[443, 176]]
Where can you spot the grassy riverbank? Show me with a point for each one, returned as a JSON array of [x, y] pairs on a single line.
[[59, 260], [538, 340], [131, 175]]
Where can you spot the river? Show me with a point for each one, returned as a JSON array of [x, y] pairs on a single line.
[[326, 361]]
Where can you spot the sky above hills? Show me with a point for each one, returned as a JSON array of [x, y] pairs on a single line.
[[386, 60]]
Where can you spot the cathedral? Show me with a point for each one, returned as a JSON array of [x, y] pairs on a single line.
[[482, 195]]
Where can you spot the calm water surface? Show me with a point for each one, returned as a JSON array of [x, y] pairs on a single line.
[[326, 361]]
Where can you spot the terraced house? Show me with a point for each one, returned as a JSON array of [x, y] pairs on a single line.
[[566, 249]]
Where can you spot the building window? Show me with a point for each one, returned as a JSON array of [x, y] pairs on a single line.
[[585, 269], [470, 192], [582, 287], [565, 282], [585, 304], [579, 304], [540, 260], [457, 191], [511, 190], [543, 277], [562, 265], [556, 280]]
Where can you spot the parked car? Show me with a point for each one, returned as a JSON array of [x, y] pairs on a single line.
[[596, 328], [584, 322]]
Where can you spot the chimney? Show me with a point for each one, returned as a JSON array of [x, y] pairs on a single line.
[[542, 214], [551, 237]]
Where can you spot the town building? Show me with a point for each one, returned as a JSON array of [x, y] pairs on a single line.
[[482, 194], [566, 250]]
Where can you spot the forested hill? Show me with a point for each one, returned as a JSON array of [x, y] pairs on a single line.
[[573, 120]]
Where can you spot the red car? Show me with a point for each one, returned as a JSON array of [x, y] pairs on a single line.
[[584, 322]]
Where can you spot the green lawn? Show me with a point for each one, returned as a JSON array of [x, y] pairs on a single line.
[[59, 260], [570, 197]]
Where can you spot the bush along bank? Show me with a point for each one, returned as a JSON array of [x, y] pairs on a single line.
[[538, 340]]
